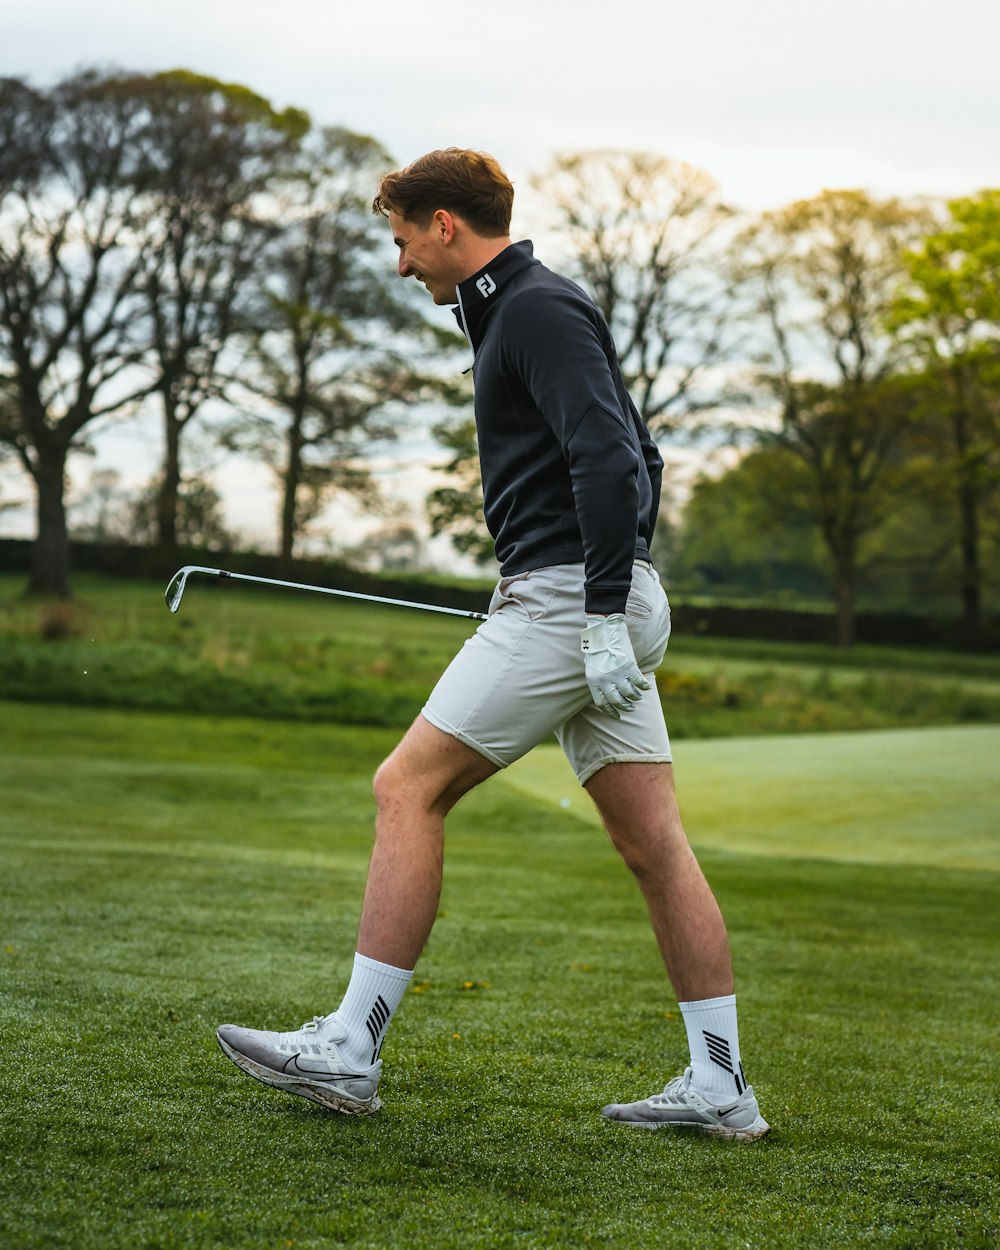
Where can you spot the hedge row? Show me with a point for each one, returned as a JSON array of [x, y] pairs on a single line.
[[723, 620]]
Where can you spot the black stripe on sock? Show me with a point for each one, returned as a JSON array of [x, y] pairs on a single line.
[[718, 1051], [378, 1018]]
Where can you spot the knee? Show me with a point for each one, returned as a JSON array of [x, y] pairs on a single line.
[[388, 784], [399, 787], [634, 850], [428, 773], [650, 852]]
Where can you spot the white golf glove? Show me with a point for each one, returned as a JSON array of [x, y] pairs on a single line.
[[609, 663]]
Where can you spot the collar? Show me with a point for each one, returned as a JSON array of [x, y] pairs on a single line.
[[478, 294]]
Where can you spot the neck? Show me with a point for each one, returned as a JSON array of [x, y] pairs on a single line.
[[479, 252]]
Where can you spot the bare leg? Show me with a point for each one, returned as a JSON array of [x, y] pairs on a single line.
[[639, 809], [415, 788]]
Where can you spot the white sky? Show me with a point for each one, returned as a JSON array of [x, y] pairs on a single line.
[[777, 99]]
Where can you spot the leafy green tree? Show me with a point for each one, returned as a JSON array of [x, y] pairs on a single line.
[[911, 555], [751, 530], [949, 312], [73, 242], [823, 273]]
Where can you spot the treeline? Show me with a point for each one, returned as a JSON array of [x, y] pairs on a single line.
[[175, 240], [848, 346], [880, 333], [692, 616]]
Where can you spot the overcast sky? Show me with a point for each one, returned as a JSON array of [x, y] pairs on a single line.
[[778, 99]]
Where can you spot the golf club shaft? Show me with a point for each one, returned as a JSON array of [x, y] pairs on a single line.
[[180, 578]]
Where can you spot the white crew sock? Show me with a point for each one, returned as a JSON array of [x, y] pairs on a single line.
[[715, 1046], [374, 993]]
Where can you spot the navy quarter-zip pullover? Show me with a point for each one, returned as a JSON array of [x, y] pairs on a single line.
[[570, 472]]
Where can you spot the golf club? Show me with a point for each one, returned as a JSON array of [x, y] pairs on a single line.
[[175, 591]]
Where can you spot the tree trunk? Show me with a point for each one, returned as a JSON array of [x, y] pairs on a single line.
[[293, 477], [50, 563], [968, 536], [846, 606], [841, 544], [170, 487], [972, 605]]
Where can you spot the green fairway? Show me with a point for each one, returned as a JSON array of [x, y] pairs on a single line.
[[238, 650], [913, 796], [164, 873]]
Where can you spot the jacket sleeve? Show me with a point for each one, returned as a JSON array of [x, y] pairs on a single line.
[[554, 343], [654, 471]]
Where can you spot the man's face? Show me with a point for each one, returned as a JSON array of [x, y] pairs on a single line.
[[424, 255]]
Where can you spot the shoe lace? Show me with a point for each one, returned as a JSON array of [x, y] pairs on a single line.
[[313, 1025], [673, 1092]]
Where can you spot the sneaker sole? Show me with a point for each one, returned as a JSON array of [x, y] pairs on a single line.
[[750, 1132], [326, 1095]]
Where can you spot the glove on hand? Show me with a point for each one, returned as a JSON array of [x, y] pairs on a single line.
[[609, 663]]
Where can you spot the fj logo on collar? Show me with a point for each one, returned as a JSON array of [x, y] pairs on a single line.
[[486, 286]]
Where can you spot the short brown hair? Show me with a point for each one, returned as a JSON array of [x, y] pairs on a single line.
[[469, 184]]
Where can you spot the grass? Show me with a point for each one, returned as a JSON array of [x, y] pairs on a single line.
[[237, 650], [165, 873], [916, 796]]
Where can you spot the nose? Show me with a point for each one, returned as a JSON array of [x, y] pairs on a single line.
[[404, 265]]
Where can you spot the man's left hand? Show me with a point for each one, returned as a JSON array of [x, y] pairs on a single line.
[[609, 662]]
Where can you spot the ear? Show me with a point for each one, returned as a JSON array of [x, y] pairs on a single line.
[[444, 225]]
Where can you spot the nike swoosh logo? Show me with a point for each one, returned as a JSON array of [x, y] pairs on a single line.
[[321, 1074], [726, 1110]]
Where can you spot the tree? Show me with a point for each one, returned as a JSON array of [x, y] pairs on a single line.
[[212, 150], [823, 272], [646, 238], [457, 509], [105, 512], [8, 413], [200, 516], [949, 311], [751, 530], [332, 347], [73, 241], [102, 512], [396, 547]]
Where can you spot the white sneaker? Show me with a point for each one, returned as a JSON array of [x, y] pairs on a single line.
[[682, 1106], [306, 1062]]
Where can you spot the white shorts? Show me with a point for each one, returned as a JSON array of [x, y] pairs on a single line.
[[520, 677]]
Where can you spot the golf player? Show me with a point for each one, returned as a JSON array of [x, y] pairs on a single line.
[[577, 626]]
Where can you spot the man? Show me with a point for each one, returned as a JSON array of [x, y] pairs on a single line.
[[577, 625]]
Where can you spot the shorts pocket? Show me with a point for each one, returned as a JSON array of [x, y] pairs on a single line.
[[639, 604], [532, 593], [651, 633]]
